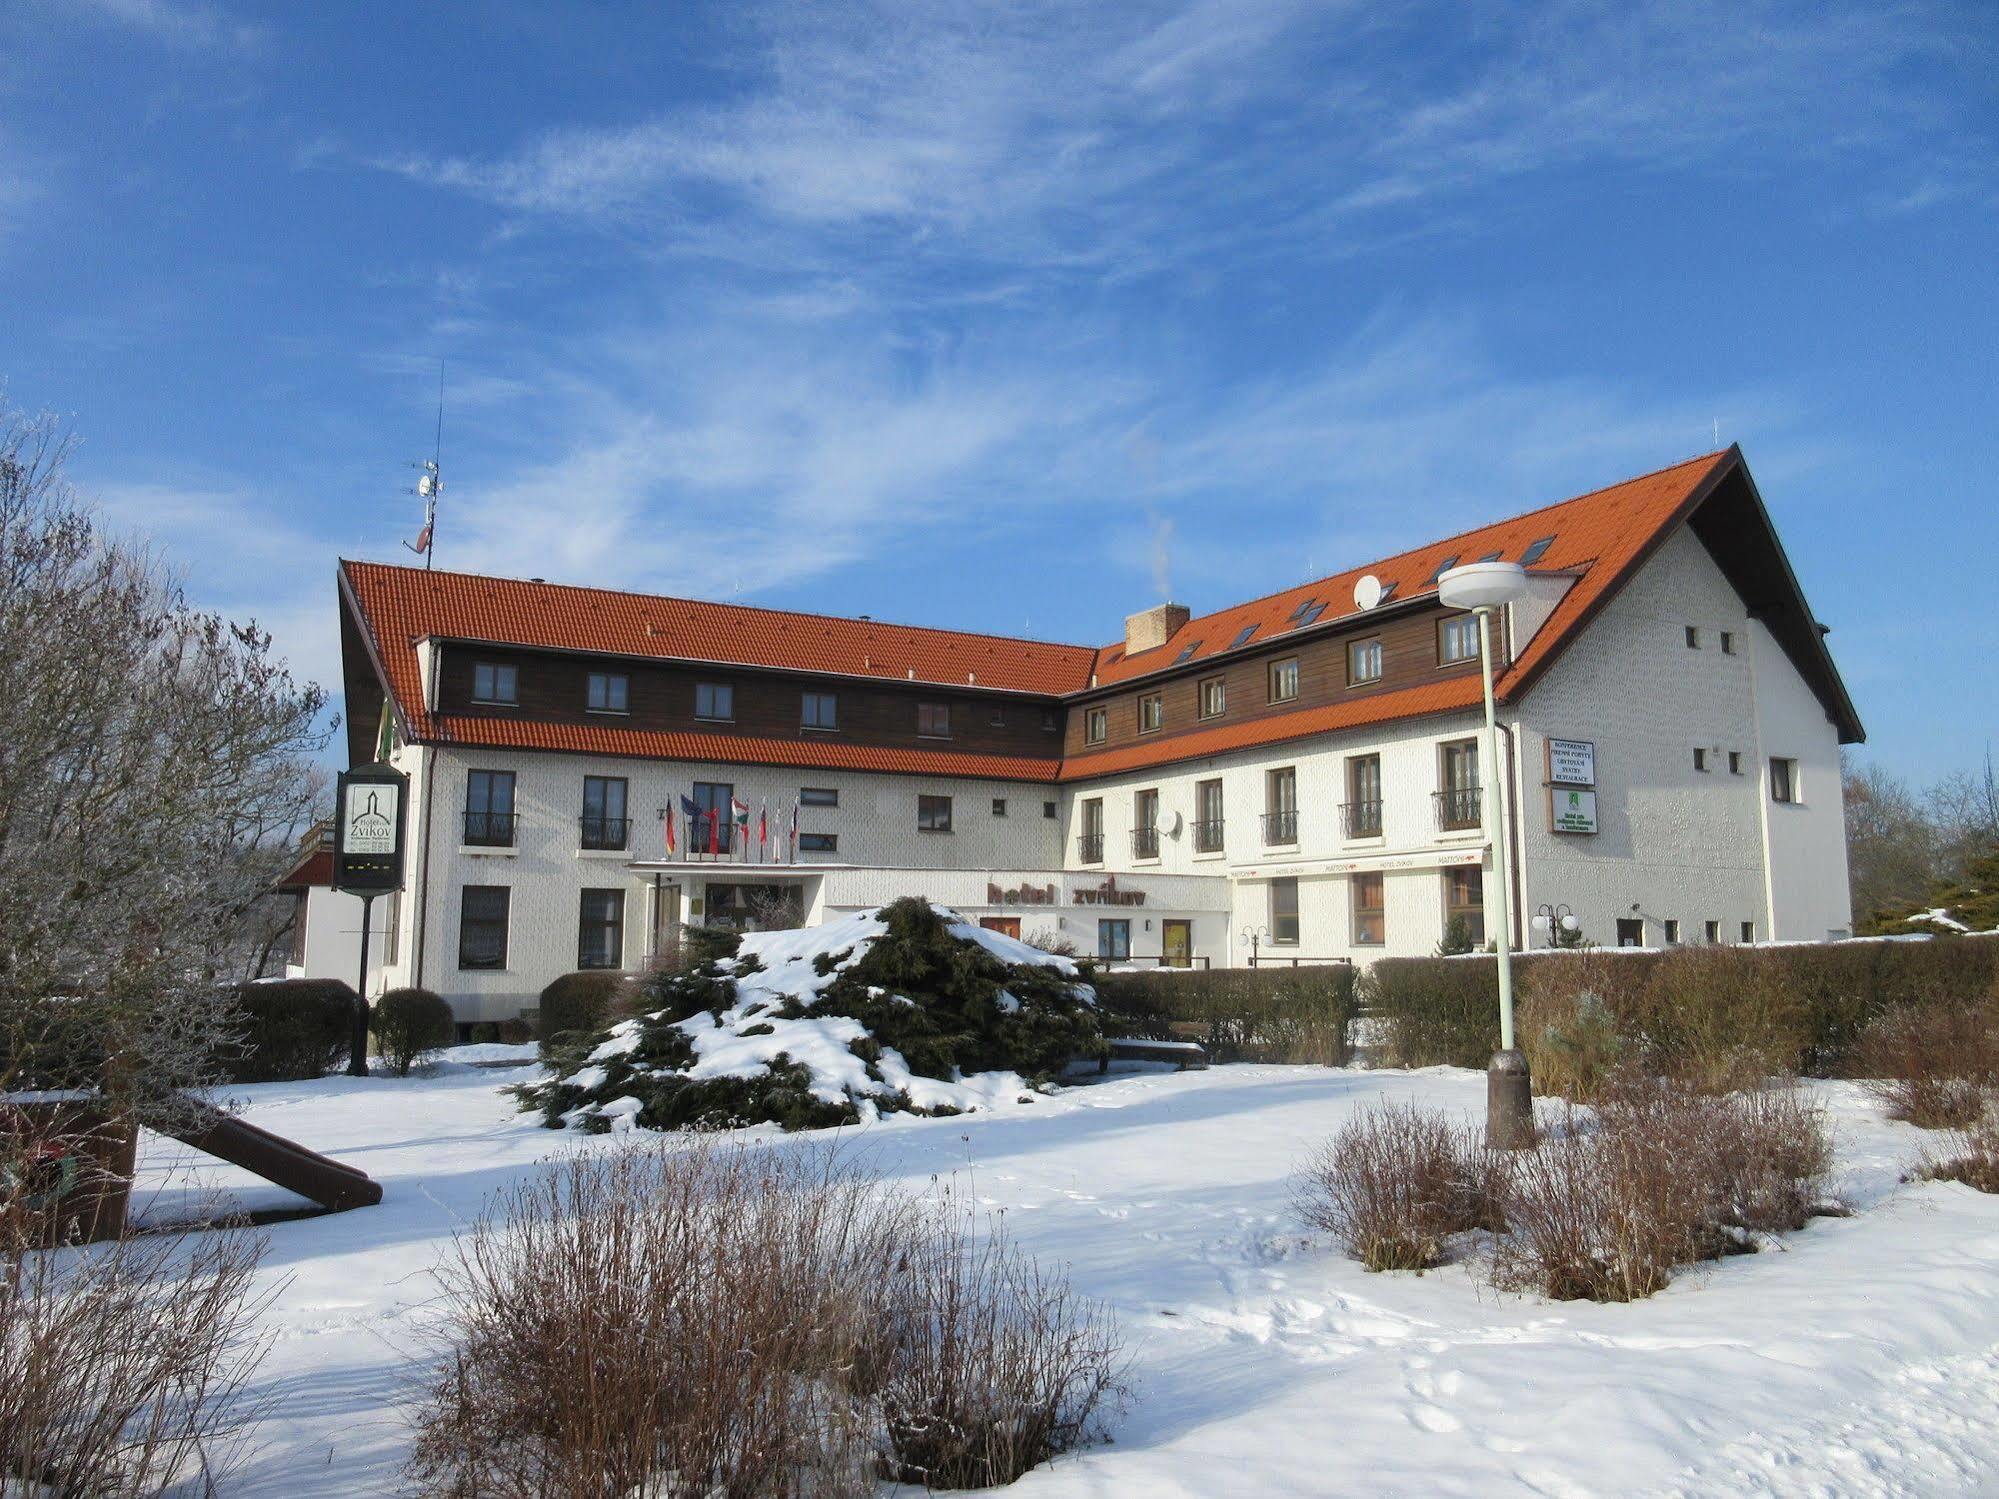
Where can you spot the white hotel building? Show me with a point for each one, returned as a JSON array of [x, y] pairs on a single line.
[[1293, 778]]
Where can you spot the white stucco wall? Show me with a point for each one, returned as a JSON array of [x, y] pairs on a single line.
[[1810, 896], [1677, 843]]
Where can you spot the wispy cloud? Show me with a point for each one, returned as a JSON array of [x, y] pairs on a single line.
[[177, 23], [1080, 136]]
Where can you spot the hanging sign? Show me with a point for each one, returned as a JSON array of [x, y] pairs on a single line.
[[368, 830], [1571, 811], [1572, 762]]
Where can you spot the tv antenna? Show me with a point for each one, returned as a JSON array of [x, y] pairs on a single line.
[[429, 485]]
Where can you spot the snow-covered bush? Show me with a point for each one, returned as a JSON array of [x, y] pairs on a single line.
[[410, 1024], [752, 1322], [905, 1008], [1397, 1181]]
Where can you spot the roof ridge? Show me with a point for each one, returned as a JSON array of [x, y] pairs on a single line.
[[1491, 525], [674, 598]]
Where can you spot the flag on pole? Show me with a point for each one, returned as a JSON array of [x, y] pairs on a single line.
[[714, 830], [763, 831], [793, 839], [739, 814], [666, 816]]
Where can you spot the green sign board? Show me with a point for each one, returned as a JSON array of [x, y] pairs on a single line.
[[1572, 810]]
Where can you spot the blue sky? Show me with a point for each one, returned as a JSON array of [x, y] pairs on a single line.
[[1009, 317]]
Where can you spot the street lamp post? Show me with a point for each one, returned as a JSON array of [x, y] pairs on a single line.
[[1255, 937], [1483, 588]]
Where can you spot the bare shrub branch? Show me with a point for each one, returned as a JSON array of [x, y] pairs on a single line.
[[1397, 1181]]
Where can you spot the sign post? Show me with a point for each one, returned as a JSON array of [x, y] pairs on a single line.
[[367, 862]]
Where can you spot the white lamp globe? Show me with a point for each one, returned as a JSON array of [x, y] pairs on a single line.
[[1482, 585]]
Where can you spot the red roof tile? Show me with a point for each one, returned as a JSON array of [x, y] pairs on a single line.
[[1599, 537], [1600, 531]]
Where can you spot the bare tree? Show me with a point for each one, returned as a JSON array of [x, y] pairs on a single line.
[[154, 774], [1891, 847], [1964, 810]]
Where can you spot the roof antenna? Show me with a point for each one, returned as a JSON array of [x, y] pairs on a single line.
[[1717, 431], [430, 484]]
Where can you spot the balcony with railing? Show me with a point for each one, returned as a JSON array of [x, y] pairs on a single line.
[[1090, 848], [1458, 808], [1208, 835], [1145, 843], [606, 832], [489, 829], [1361, 819], [1280, 827]]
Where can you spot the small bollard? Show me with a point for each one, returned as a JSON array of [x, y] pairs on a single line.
[[1509, 1102]]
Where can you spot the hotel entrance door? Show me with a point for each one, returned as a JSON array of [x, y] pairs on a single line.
[[1006, 925], [1177, 943]]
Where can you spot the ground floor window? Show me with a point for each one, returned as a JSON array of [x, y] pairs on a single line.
[[1464, 900], [1630, 931], [755, 908], [482, 926], [1370, 925], [1284, 912], [600, 939], [1113, 938]]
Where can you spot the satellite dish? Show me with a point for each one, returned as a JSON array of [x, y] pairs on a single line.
[[1367, 592]]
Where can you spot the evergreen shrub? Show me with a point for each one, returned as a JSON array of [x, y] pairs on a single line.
[[409, 1025], [289, 1030], [577, 1004]]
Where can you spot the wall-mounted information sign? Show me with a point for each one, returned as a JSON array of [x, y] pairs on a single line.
[[1572, 762], [1571, 810]]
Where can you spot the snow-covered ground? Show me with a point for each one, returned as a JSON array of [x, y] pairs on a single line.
[[1860, 1358]]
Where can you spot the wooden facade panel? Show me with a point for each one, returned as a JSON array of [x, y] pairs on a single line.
[[555, 689], [1409, 655]]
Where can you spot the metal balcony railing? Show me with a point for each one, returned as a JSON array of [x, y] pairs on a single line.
[[1458, 807], [606, 832], [1361, 819], [1090, 848], [1208, 836], [1145, 843], [1280, 827], [489, 829]]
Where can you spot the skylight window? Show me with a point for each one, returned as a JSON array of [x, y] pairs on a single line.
[[1309, 613], [1188, 653], [1387, 593], [1536, 552], [1445, 566], [1245, 633], [1490, 557]]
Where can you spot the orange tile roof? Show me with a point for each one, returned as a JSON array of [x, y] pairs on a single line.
[[1599, 537], [741, 749], [1600, 531]]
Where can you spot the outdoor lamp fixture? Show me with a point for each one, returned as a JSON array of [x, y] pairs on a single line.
[[1253, 937], [1553, 922], [1483, 587]]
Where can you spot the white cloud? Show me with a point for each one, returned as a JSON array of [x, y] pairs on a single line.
[[180, 23]]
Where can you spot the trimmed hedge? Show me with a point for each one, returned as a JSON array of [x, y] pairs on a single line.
[[1706, 1010], [1300, 1014], [409, 1024], [289, 1030], [578, 1004]]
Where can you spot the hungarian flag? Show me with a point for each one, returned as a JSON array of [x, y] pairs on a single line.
[[739, 813]]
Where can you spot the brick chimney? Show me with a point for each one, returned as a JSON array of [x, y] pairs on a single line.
[[1153, 627]]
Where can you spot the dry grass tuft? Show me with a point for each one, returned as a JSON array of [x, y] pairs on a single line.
[[123, 1364], [665, 1320], [1932, 1064], [1397, 1181], [1972, 1157], [1664, 1175]]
